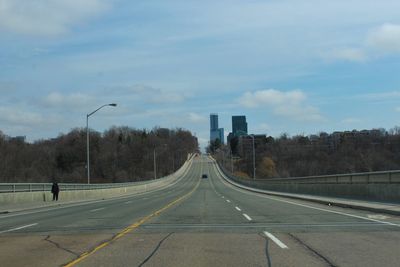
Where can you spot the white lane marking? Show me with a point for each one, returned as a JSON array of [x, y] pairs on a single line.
[[18, 228], [378, 216], [247, 216], [238, 209], [248, 192], [228, 201], [97, 209], [276, 240], [128, 202]]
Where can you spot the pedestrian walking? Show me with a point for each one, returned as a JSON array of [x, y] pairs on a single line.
[[55, 190]]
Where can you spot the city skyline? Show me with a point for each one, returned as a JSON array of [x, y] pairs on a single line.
[[296, 67]]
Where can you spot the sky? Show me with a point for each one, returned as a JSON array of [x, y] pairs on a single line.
[[290, 66]]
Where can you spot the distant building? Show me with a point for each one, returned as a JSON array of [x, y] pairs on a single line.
[[239, 125], [215, 132]]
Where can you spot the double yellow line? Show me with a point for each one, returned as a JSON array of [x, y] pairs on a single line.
[[129, 229]]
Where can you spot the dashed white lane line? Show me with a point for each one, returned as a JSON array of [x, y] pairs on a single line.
[[18, 228], [128, 202], [238, 209], [228, 201], [276, 240], [247, 217], [97, 209]]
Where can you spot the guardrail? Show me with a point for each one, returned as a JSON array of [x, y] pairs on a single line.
[[371, 186], [42, 187], [350, 178], [46, 187]]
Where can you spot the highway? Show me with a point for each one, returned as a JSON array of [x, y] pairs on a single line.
[[199, 222]]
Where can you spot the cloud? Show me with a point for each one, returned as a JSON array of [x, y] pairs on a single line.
[[148, 94], [290, 104], [348, 54], [15, 116], [197, 118], [46, 17], [70, 101], [381, 96], [385, 38], [271, 97]]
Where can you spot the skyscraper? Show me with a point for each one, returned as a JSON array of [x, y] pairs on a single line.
[[215, 132], [239, 125]]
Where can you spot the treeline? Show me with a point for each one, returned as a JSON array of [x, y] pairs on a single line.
[[322, 154], [120, 154]]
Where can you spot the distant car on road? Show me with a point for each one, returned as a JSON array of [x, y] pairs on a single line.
[[204, 176]]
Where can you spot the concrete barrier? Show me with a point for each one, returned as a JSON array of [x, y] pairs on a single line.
[[374, 186], [77, 195]]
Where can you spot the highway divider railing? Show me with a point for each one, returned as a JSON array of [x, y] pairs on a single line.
[[39, 192], [44, 187], [376, 186]]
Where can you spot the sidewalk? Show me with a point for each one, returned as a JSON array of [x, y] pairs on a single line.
[[15, 207]]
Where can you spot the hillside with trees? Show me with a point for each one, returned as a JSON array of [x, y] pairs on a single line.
[[322, 154], [120, 154]]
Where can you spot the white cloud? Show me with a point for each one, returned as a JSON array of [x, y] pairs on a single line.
[[348, 54], [385, 38], [197, 118], [290, 104], [15, 116], [71, 101], [148, 94], [271, 97], [46, 17]]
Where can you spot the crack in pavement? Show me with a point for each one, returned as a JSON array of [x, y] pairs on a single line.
[[155, 250], [266, 250], [59, 246], [325, 259]]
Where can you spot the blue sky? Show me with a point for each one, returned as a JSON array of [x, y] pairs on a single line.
[[291, 66]]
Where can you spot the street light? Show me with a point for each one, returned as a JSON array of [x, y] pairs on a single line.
[[254, 157], [155, 162], [87, 138]]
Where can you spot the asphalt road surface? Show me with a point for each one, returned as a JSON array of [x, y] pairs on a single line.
[[199, 222]]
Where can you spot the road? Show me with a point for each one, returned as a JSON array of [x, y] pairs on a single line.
[[199, 222]]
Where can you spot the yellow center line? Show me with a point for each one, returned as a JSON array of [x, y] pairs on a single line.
[[129, 229]]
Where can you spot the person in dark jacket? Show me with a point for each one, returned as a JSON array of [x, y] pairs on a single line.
[[55, 190]]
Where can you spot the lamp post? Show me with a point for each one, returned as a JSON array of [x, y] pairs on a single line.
[[87, 138], [155, 162], [254, 158]]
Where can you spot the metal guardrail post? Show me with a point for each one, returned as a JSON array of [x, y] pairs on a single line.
[[13, 188], [30, 187]]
